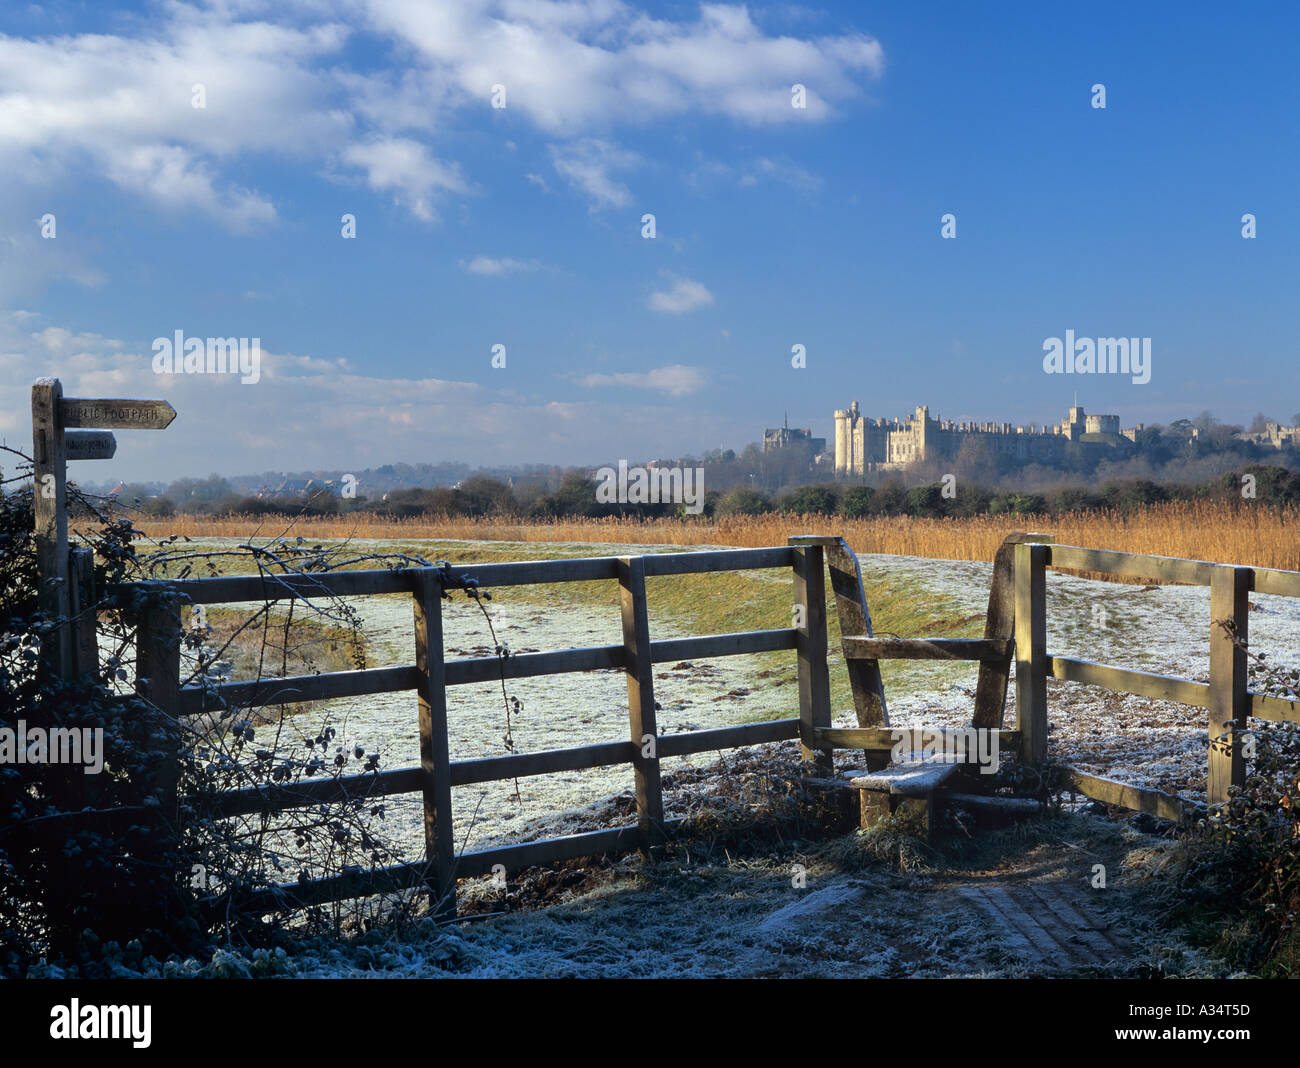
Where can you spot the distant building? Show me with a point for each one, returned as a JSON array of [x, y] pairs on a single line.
[[863, 444], [300, 487], [781, 436], [1276, 435]]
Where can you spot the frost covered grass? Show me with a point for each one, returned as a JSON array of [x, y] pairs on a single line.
[[761, 882], [771, 899]]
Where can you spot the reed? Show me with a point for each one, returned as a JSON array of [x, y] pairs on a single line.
[[1223, 532]]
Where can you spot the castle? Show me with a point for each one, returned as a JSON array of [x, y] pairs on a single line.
[[863, 444], [1276, 435], [781, 436]]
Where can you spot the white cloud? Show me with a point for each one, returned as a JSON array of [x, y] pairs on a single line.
[[121, 107], [172, 177], [278, 82], [487, 265], [677, 380], [685, 295], [329, 414], [405, 167], [577, 65]]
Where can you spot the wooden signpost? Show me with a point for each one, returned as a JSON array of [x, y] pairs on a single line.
[[53, 445], [89, 445]]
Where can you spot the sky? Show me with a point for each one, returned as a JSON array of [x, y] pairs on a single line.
[[128, 213]]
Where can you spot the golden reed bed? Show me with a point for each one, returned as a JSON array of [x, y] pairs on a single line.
[[1223, 532]]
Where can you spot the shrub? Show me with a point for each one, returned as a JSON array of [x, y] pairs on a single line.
[[856, 502], [1237, 875], [743, 501], [139, 853], [77, 850], [810, 500]]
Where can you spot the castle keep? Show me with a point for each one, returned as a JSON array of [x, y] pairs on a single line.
[[863, 444]]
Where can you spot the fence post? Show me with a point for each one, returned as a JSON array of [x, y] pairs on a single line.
[[1031, 651], [1229, 696], [435, 763], [85, 642], [158, 680], [641, 700], [995, 675], [811, 643], [49, 504]]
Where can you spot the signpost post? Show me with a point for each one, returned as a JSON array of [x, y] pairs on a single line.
[[53, 445]]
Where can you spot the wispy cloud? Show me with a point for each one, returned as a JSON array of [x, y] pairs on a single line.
[[330, 410], [683, 296], [587, 166], [676, 379], [787, 172], [487, 265]]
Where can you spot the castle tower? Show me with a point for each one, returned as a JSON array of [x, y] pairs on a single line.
[[848, 441]]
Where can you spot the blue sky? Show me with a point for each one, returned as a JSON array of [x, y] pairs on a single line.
[[521, 226]]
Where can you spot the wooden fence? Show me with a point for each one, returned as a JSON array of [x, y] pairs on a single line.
[[430, 675], [1227, 697], [1016, 628]]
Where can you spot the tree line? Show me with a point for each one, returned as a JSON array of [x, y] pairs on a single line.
[[575, 497]]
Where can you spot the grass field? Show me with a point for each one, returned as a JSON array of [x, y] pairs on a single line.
[[1224, 532], [710, 603]]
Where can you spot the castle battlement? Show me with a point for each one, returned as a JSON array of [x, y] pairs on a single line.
[[864, 444]]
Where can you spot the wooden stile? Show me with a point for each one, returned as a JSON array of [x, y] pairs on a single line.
[[883, 739], [1000, 622], [982, 649], [1031, 651], [1134, 798], [855, 620]]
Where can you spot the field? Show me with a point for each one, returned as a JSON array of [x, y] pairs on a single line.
[[1223, 532]]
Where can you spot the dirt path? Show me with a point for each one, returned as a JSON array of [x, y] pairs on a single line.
[[1036, 915], [1026, 906]]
